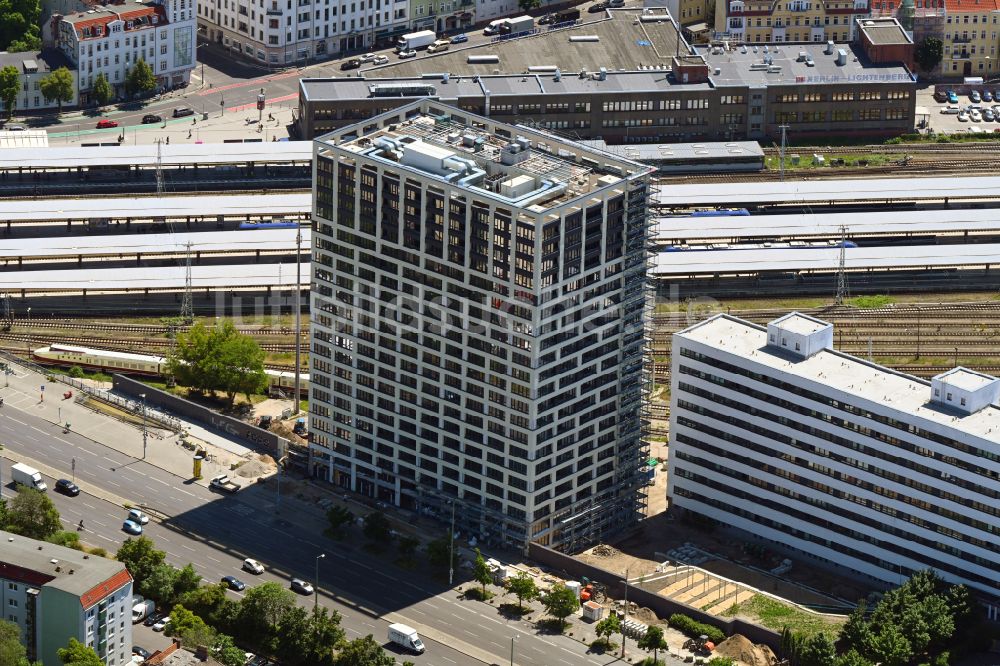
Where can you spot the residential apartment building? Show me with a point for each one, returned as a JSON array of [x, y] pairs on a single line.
[[478, 305], [778, 21], [970, 38], [110, 40], [54, 593], [33, 67], [447, 15], [715, 95], [849, 463]]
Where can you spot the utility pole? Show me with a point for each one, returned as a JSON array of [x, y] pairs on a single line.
[[451, 548], [187, 302], [316, 591], [298, 316], [144, 433], [512, 650], [160, 185], [626, 613], [781, 152], [842, 268], [956, 357], [29, 332]]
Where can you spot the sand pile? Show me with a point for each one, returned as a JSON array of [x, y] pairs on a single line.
[[644, 615], [604, 550], [741, 650], [256, 467]]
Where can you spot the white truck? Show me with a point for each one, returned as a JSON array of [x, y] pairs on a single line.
[[406, 638], [27, 476], [518, 25], [495, 27], [142, 610], [416, 40], [225, 484]]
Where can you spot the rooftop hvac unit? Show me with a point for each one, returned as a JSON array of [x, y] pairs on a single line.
[[829, 48], [803, 56], [718, 71], [841, 57]]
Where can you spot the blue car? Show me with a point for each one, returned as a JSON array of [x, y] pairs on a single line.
[[987, 96], [458, 39], [952, 97], [132, 527]]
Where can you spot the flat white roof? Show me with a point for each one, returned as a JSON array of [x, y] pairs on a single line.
[[682, 229], [162, 277], [44, 210], [145, 155], [690, 262], [966, 379], [868, 382], [131, 244], [815, 191], [800, 323]]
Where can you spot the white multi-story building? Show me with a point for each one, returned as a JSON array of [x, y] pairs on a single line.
[[111, 39], [478, 306], [774, 432], [283, 32], [54, 593]]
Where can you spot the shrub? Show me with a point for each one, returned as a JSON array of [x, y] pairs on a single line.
[[693, 628], [76, 371]]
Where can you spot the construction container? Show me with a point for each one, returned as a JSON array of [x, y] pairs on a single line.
[[593, 611]]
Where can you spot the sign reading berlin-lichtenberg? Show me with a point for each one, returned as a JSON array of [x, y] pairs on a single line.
[[858, 78]]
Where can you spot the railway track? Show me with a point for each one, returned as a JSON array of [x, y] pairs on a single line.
[[145, 329], [127, 345], [913, 168], [895, 149]]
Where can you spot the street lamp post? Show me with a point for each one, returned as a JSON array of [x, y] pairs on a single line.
[[626, 612], [316, 591], [144, 434], [29, 332], [512, 650], [451, 547]]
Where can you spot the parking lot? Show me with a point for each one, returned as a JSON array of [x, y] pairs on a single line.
[[963, 112]]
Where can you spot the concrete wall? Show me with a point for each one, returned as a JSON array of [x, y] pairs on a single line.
[[256, 438], [575, 569]]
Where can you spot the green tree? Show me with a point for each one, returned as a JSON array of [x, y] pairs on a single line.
[[218, 359], [102, 91], [211, 603], [186, 581], [140, 78], [376, 528], [66, 538], [11, 650], [308, 638], [438, 552], [189, 364], [818, 651], [480, 572], [261, 611], [226, 652], [653, 640], [159, 584], [242, 362], [58, 86], [528, 5], [889, 647], [560, 602], [31, 513], [78, 654], [364, 652], [608, 627], [929, 53], [523, 587], [853, 658], [10, 86], [190, 628], [140, 557], [19, 26], [340, 518]]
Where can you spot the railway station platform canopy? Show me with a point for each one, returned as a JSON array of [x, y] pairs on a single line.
[[754, 228], [177, 155], [824, 192], [199, 206], [140, 280], [258, 242], [815, 260]]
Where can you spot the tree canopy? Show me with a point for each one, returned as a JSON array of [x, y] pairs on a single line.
[[929, 52], [102, 90], [58, 86], [31, 513], [140, 78], [480, 572], [364, 652], [19, 25], [560, 602], [308, 638], [653, 640], [523, 587], [11, 650], [261, 610], [10, 86], [218, 359], [78, 654]]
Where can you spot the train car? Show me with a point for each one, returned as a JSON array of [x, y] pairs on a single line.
[[141, 364], [251, 225], [721, 212], [100, 359], [784, 245]]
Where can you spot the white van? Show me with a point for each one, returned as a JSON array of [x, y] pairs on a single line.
[[406, 637], [142, 610]]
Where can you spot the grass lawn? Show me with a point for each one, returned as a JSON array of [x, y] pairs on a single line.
[[776, 615], [850, 160]]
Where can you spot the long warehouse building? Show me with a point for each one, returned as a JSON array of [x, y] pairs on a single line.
[[774, 432]]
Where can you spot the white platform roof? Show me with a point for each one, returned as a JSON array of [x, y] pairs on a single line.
[[692, 262], [818, 191], [131, 244], [162, 277], [828, 224], [46, 210], [178, 154]]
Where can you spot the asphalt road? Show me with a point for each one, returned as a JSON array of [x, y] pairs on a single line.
[[216, 532]]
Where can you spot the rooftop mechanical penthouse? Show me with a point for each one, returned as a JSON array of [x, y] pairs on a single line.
[[479, 297]]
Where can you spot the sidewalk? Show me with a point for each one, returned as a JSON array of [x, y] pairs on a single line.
[[30, 392]]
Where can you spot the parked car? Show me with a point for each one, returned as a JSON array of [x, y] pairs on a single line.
[[151, 118], [987, 96], [616, 3], [599, 7], [963, 117], [301, 586], [140, 651], [460, 39], [353, 63], [133, 528], [368, 57], [137, 516], [975, 116], [15, 127], [181, 112], [153, 619], [380, 60], [234, 583], [952, 97], [106, 124], [67, 487], [162, 623], [951, 108], [253, 566], [407, 54], [989, 115], [975, 97]]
